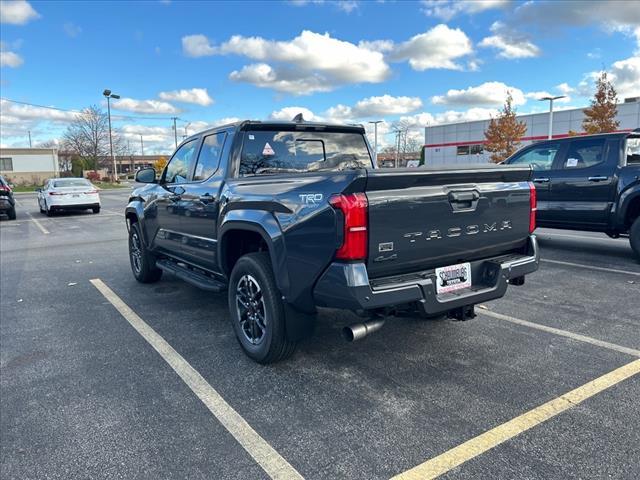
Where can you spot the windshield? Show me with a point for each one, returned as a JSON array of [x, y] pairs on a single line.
[[270, 152], [71, 182]]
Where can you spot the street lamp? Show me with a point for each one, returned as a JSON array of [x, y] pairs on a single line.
[[107, 93], [551, 99], [375, 141]]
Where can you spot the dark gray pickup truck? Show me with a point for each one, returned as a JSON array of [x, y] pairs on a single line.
[[288, 217]]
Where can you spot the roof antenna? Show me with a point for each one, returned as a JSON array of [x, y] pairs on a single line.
[[298, 118]]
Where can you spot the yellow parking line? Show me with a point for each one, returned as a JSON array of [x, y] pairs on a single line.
[[264, 454], [563, 333], [38, 224], [472, 448]]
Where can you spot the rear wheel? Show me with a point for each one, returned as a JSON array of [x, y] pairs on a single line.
[[48, 210], [143, 262], [12, 213], [257, 310], [95, 209], [634, 237]]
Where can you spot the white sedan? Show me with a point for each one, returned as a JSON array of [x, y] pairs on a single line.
[[68, 194]]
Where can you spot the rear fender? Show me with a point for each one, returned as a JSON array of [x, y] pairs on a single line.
[[627, 198], [267, 227]]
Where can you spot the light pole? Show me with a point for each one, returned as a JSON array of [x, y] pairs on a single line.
[[186, 134], [375, 141], [107, 93], [551, 99]]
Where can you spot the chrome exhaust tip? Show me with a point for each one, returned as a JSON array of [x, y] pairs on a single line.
[[358, 331]]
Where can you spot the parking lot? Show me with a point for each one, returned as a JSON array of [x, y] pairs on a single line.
[[88, 390]]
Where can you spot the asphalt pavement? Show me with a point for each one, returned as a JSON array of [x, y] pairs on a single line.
[[84, 395]]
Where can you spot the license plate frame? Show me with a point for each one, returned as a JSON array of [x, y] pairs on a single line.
[[453, 277]]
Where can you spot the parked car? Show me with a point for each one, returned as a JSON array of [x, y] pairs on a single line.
[[291, 216], [7, 202], [588, 183], [59, 194]]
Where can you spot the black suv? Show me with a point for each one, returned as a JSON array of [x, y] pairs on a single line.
[[7, 203]]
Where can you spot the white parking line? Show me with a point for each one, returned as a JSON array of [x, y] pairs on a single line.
[[271, 462], [563, 333], [581, 237], [591, 267], [38, 224]]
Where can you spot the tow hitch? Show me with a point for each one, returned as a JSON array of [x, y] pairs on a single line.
[[462, 313]]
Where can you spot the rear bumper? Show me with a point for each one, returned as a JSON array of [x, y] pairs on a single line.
[[77, 206], [6, 203], [347, 285]]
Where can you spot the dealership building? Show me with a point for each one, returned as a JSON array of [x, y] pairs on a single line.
[[464, 142]]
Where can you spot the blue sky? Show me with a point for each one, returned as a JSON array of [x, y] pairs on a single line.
[[206, 62]]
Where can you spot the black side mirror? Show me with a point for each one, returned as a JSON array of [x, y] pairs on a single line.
[[38, 190], [146, 175]]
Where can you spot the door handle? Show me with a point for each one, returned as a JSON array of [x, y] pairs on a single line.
[[206, 198], [541, 180], [598, 179]]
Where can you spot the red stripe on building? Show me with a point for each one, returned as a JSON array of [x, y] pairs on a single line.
[[525, 139]]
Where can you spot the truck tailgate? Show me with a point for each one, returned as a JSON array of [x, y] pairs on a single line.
[[426, 218]]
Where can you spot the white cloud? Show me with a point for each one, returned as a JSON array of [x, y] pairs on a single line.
[[197, 96], [10, 59], [488, 93], [144, 106], [197, 46], [71, 29], [625, 76], [436, 48], [450, 116], [287, 81], [287, 114], [384, 105], [447, 9], [308, 63], [510, 47], [347, 6], [565, 89], [17, 12], [310, 51]]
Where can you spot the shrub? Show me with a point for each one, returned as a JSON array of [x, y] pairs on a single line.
[[93, 176], [105, 179]]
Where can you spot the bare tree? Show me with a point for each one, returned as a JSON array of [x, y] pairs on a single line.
[[88, 137]]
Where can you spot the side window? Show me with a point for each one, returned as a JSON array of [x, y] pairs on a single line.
[[179, 166], [584, 153], [540, 158], [209, 157], [633, 151]]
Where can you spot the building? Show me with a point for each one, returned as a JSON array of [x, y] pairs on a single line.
[[28, 165], [464, 142]]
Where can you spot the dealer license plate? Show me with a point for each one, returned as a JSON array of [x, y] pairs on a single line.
[[453, 277]]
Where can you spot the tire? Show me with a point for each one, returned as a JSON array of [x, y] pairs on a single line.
[[95, 209], [143, 262], [263, 337], [48, 210], [40, 207], [12, 213], [634, 237]]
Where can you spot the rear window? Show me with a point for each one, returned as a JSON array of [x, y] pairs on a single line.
[[633, 150], [272, 152], [71, 182]]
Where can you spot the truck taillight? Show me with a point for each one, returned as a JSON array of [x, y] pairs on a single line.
[[533, 207], [354, 208]]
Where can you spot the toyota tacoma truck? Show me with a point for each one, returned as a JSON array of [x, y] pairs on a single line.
[[288, 217], [589, 182]]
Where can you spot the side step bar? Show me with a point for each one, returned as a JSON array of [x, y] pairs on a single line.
[[194, 277]]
